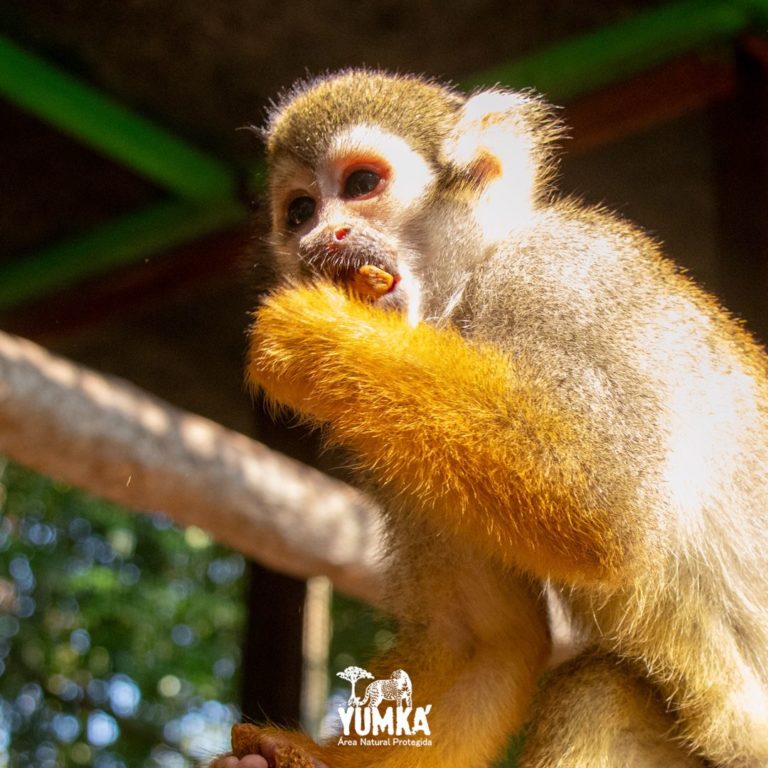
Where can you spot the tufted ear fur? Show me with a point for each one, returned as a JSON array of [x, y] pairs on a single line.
[[501, 148]]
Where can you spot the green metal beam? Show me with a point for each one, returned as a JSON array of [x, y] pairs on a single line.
[[98, 121], [626, 48], [119, 242], [758, 11]]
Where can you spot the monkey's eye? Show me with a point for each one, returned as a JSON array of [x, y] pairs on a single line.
[[361, 183], [300, 210]]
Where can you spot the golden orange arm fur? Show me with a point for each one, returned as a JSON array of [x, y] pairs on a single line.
[[456, 429]]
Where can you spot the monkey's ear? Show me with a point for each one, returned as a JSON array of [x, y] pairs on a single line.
[[500, 148], [503, 135]]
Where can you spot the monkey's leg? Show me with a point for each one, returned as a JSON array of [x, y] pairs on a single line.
[[594, 713], [475, 442], [473, 643]]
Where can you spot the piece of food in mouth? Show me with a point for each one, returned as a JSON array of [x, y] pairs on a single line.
[[371, 282]]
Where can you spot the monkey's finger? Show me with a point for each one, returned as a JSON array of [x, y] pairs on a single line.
[[259, 747], [248, 761]]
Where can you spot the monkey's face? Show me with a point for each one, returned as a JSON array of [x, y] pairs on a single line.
[[355, 209]]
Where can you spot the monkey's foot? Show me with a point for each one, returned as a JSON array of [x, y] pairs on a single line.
[[257, 747], [370, 282]]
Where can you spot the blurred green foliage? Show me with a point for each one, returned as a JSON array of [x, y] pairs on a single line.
[[359, 634], [119, 634]]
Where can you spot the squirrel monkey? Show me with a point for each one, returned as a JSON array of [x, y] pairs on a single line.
[[538, 398]]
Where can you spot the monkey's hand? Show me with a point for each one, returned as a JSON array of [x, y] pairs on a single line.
[[267, 747], [454, 428], [292, 346], [332, 358]]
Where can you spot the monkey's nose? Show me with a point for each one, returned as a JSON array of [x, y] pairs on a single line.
[[340, 233]]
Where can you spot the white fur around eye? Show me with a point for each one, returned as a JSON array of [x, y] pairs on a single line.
[[410, 176]]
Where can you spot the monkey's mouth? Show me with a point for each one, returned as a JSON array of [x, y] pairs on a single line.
[[353, 267]]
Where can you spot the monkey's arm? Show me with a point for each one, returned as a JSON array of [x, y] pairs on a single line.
[[472, 636], [456, 429]]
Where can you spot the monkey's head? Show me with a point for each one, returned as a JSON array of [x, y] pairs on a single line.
[[398, 173]]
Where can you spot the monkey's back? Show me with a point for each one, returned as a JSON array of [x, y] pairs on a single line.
[[677, 393]]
